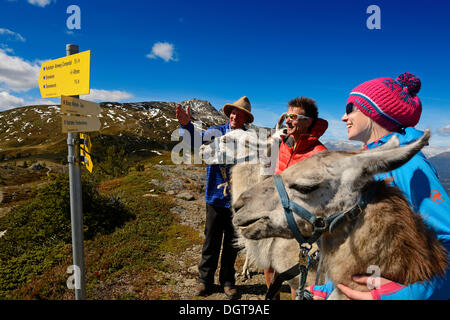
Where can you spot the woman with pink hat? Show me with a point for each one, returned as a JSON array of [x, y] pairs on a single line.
[[377, 110]]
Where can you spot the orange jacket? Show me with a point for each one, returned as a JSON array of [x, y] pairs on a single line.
[[307, 146]]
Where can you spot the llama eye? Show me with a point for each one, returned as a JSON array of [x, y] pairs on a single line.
[[305, 189]]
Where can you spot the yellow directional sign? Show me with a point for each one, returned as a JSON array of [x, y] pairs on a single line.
[[68, 76], [86, 160], [85, 151], [74, 106], [79, 124], [85, 143]]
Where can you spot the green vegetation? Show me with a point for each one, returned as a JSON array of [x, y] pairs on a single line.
[[116, 162], [126, 235], [39, 228]]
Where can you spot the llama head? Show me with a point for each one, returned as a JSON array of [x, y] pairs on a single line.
[[325, 184], [230, 148], [237, 146]]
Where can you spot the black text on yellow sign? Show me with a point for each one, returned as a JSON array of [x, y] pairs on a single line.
[[66, 76]]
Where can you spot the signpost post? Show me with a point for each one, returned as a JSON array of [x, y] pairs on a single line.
[[68, 77], [76, 201]]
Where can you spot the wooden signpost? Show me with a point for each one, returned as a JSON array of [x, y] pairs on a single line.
[[79, 124], [68, 77], [73, 105], [79, 110]]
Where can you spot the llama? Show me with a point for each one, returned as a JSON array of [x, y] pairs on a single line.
[[387, 233], [246, 173], [244, 146]]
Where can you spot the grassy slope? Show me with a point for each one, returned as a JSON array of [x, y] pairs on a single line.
[[120, 265]]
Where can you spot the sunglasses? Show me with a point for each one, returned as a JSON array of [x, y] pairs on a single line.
[[349, 108], [296, 116]]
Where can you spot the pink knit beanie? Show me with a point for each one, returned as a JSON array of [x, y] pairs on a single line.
[[391, 103]]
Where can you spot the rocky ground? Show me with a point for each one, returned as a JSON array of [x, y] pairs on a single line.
[[187, 185]]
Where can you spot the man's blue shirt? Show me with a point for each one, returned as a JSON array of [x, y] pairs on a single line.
[[214, 178]]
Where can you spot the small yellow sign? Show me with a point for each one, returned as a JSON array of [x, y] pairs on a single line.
[[68, 76], [80, 124], [85, 151], [74, 106], [86, 160], [85, 143]]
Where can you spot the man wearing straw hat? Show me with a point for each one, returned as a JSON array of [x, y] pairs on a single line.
[[218, 203]]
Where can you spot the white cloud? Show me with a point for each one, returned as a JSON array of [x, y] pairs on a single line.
[[8, 101], [11, 35], [18, 74], [40, 3], [163, 50], [107, 95], [6, 48], [444, 131]]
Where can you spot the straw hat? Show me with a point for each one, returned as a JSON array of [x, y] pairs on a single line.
[[242, 104]]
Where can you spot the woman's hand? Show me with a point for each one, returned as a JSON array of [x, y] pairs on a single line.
[[373, 282]]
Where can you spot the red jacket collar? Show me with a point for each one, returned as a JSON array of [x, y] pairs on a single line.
[[308, 139]]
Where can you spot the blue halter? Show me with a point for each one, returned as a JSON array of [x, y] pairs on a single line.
[[319, 223]]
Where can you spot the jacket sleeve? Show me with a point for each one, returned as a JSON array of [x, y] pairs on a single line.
[[420, 184], [433, 289], [188, 132], [323, 291]]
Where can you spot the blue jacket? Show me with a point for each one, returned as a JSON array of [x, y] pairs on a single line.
[[213, 196], [420, 184]]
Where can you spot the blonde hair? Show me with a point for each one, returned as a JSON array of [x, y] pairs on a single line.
[[376, 131]]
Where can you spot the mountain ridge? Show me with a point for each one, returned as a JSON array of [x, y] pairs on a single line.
[[135, 126], [36, 129]]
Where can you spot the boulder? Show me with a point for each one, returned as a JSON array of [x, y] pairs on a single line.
[[36, 166], [185, 196]]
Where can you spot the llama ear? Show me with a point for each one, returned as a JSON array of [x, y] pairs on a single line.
[[280, 121], [388, 158]]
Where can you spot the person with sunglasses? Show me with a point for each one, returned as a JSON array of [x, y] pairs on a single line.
[[304, 128], [376, 111]]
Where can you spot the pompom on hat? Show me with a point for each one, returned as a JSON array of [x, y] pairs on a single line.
[[393, 104]]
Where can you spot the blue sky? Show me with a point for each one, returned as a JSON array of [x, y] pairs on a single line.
[[221, 50]]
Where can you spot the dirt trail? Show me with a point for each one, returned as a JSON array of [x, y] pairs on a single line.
[[186, 184]]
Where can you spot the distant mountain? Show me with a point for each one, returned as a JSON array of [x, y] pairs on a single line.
[[35, 130], [434, 151], [442, 164], [342, 145], [143, 126]]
